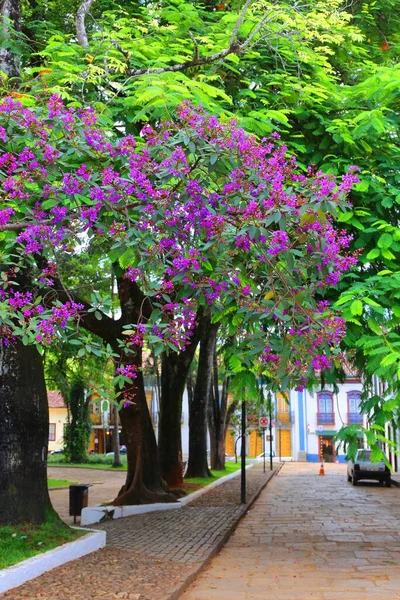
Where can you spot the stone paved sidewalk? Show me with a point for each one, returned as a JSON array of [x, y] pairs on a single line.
[[149, 557], [310, 538]]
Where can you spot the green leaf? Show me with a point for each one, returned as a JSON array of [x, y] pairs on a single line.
[[385, 241], [356, 307], [373, 253]]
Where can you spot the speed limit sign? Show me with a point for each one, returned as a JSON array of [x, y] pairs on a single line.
[[263, 422]]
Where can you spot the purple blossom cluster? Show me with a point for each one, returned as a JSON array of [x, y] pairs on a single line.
[[213, 214]]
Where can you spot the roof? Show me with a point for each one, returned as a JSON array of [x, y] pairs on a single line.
[[56, 400]]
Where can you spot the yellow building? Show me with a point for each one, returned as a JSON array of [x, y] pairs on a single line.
[[58, 416]]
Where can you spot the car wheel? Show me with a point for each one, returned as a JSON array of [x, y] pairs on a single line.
[[354, 480], [349, 478], [380, 482], [388, 483]]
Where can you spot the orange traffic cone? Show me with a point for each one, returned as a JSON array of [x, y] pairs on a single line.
[[321, 470]]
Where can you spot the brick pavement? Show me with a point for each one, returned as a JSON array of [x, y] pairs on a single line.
[[148, 556], [310, 538]]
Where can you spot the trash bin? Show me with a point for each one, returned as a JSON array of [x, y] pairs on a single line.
[[78, 499]]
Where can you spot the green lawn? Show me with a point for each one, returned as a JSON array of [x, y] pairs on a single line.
[[24, 541], [87, 466], [59, 483], [94, 461], [230, 467]]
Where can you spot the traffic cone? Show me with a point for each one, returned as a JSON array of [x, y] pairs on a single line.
[[321, 470]]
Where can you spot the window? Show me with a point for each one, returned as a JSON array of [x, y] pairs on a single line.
[[325, 403], [52, 432], [325, 414], [354, 415], [354, 402]]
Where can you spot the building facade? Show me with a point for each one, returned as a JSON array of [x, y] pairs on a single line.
[[58, 416]]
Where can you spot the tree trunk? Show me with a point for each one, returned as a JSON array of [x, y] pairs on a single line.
[[117, 455], [24, 419], [198, 466], [174, 371], [10, 17], [143, 481], [169, 427], [217, 419]]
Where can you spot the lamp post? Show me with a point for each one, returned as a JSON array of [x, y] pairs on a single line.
[[243, 456], [270, 429]]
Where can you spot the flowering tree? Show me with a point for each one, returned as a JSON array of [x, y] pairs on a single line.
[[194, 215]]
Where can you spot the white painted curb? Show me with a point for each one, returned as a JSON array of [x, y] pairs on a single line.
[[30, 568], [95, 514]]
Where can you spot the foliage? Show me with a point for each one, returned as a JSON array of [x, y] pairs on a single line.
[[200, 215]]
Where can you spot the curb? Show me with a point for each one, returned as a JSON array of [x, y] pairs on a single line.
[[395, 482], [181, 587], [30, 568]]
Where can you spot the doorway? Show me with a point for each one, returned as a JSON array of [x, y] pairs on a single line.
[[326, 449]]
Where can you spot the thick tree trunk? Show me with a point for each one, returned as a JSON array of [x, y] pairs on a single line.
[[10, 17], [143, 481], [24, 419], [174, 372], [169, 427], [198, 466]]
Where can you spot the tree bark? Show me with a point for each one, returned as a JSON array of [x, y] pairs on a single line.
[[10, 16], [80, 22], [174, 371], [197, 465], [117, 455], [217, 419], [143, 481], [24, 419]]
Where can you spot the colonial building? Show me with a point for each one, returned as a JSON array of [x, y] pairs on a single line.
[[58, 416]]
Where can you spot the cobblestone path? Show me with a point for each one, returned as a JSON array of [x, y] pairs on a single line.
[[310, 538], [149, 555]]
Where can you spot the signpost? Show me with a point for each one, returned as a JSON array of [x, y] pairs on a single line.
[[263, 423]]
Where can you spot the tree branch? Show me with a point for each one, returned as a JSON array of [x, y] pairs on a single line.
[[20, 225], [80, 22]]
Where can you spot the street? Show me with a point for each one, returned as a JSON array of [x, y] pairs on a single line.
[[310, 537]]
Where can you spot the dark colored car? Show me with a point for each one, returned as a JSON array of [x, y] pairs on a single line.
[[363, 468]]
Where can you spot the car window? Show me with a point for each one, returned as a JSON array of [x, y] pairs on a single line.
[[364, 455]]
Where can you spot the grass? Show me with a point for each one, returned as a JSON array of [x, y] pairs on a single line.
[[93, 461], [200, 482], [20, 542], [58, 483]]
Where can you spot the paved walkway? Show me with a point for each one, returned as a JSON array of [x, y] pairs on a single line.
[[148, 556], [310, 538]]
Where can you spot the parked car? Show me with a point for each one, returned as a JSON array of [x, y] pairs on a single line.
[[122, 450], [61, 451], [363, 468]]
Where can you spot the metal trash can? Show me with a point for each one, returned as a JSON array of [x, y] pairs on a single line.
[[78, 499]]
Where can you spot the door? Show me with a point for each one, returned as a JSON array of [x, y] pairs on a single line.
[[284, 443], [327, 449], [255, 444]]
